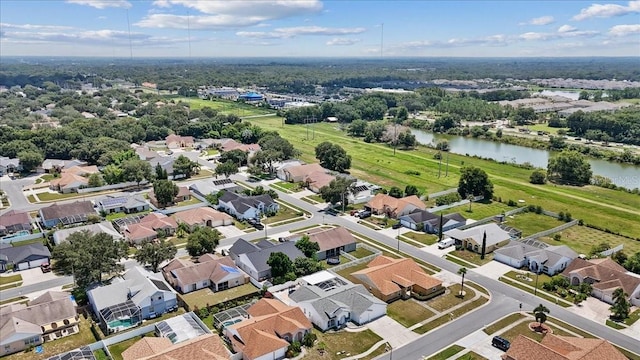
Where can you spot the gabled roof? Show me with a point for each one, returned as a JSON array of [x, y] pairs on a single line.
[[106, 227], [81, 170], [304, 170], [190, 273], [58, 211], [148, 226], [550, 256], [353, 297], [69, 180], [258, 259], [14, 217], [177, 138], [389, 275], [244, 203], [242, 246], [199, 216], [418, 216], [555, 347], [384, 201], [319, 179], [495, 234], [606, 272], [18, 254], [204, 347], [128, 202], [147, 346], [332, 238]]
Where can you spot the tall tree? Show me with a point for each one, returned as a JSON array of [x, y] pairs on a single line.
[[474, 181], [462, 271], [569, 167], [183, 166], [95, 180], [411, 190], [309, 248], [337, 191], [30, 160], [227, 169], [281, 265], [621, 306], [137, 170], [540, 313], [161, 174], [202, 240], [484, 245], [395, 192], [88, 256], [236, 156], [333, 157], [153, 253], [165, 191]]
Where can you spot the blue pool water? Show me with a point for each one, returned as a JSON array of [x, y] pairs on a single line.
[[121, 323]]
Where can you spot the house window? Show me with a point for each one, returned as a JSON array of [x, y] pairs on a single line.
[[223, 286], [7, 348], [159, 297], [32, 341]]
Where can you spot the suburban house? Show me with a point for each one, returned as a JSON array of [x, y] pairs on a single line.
[[81, 170], [316, 180], [13, 221], [298, 173], [217, 273], [48, 317], [471, 239], [56, 165], [144, 153], [106, 227], [183, 195], [550, 260], [605, 276], [136, 296], [392, 279], [148, 227], [176, 141], [203, 216], [230, 144], [280, 174], [383, 204], [362, 192], [203, 347], [252, 258], [23, 257], [68, 182], [165, 162], [208, 186], [556, 347], [8, 165], [332, 242], [126, 204], [268, 332], [422, 220], [247, 207], [66, 214], [330, 301]]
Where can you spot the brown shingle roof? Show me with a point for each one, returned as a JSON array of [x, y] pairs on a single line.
[[387, 274], [14, 217], [205, 347], [332, 238], [199, 216], [319, 179], [304, 170], [192, 273], [66, 179], [383, 201], [146, 346], [148, 225], [57, 211], [554, 347]]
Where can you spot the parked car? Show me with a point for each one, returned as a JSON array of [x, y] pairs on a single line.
[[446, 243], [501, 343], [258, 226], [333, 261], [45, 268], [397, 225], [363, 214]]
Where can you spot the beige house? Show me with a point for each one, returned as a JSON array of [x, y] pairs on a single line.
[[217, 273], [46, 318], [383, 204], [204, 216], [300, 172], [148, 227], [471, 239], [177, 141]]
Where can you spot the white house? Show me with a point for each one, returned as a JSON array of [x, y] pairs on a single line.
[[246, 207], [550, 260]]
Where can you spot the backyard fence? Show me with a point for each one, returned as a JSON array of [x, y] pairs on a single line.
[[367, 258]]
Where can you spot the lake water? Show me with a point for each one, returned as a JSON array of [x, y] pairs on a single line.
[[620, 174]]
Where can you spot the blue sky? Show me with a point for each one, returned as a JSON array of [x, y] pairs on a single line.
[[315, 28]]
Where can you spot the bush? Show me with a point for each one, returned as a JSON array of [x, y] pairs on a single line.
[[538, 177], [448, 199], [309, 339], [412, 172], [567, 217], [557, 237], [512, 203], [561, 216], [538, 209]]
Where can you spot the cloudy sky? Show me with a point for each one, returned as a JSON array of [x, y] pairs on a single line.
[[314, 28]]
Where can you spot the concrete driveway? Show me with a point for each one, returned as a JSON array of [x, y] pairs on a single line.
[[480, 343], [392, 331], [34, 276], [493, 269], [230, 231]]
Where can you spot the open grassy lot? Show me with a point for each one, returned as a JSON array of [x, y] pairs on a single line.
[[502, 323], [223, 106], [285, 213], [472, 356], [423, 238], [84, 337], [581, 239], [48, 196], [479, 210], [531, 223], [545, 127], [472, 257], [449, 299], [116, 350], [345, 342], [203, 297], [4, 280], [376, 163], [451, 316], [446, 353], [408, 312]]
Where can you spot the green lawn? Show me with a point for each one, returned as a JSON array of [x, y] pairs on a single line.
[[346, 273], [544, 127], [116, 350], [502, 323], [360, 253], [446, 353], [472, 356], [531, 223], [448, 317], [408, 312], [423, 238], [523, 329], [242, 225], [4, 280], [285, 213], [479, 210], [119, 215], [528, 278], [614, 325], [6, 301], [377, 164], [47, 196], [633, 317], [191, 201], [449, 299], [348, 342], [581, 239], [211, 152], [290, 186], [223, 106], [100, 354], [472, 257], [203, 297], [539, 293]]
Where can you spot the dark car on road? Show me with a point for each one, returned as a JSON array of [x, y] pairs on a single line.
[[396, 225]]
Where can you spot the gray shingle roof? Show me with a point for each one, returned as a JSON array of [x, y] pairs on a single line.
[[58, 211], [495, 234], [354, 297], [242, 246], [18, 254], [259, 258]]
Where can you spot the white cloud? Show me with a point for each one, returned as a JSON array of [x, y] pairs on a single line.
[[88, 37], [566, 28], [35, 27], [220, 14], [608, 10], [102, 4], [493, 40], [341, 42], [624, 30], [542, 20], [290, 32]]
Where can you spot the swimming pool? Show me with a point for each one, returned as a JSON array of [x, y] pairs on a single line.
[[121, 323], [18, 234]]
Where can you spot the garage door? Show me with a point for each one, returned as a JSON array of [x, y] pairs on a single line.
[[23, 265], [36, 263]]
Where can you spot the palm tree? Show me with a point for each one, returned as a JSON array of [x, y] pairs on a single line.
[[621, 305], [540, 312], [182, 230], [462, 271]]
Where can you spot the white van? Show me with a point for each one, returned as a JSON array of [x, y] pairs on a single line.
[[446, 243]]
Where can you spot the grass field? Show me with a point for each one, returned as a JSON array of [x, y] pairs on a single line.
[[348, 342], [202, 297], [284, 213], [532, 223], [472, 356], [523, 329], [480, 210], [423, 238], [223, 106], [448, 317], [446, 353], [4, 280], [502, 323], [408, 312], [472, 257], [450, 299], [360, 253], [376, 163], [582, 238]]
